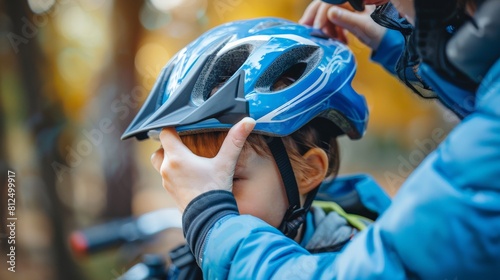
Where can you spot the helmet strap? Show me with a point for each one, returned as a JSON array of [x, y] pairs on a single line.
[[295, 214]]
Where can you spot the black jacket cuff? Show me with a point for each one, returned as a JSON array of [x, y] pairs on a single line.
[[201, 214]]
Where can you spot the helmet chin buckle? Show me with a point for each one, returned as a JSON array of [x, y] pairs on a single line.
[[293, 219]]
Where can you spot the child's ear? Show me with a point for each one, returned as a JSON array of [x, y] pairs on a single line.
[[317, 160]]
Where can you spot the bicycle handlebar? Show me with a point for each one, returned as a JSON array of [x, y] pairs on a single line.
[[124, 230]]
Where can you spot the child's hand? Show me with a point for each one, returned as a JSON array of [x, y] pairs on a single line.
[[334, 19], [186, 175]]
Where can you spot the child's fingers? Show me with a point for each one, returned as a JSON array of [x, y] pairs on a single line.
[[171, 142], [157, 159], [235, 140]]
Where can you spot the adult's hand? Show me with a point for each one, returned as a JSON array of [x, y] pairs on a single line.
[[316, 15], [334, 19], [186, 175]]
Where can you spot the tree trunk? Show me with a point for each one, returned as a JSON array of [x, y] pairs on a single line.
[[46, 122], [116, 88]]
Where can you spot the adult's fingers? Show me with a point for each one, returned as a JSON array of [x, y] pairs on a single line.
[[235, 140], [321, 18], [336, 32], [351, 21], [310, 13], [359, 24]]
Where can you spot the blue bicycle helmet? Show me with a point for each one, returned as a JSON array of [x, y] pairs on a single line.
[[249, 56], [234, 70]]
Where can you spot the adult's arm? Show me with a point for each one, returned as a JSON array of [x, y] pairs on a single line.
[[389, 50]]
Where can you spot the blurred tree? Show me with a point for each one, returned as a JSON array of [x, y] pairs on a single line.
[[3, 176], [3, 160], [116, 93], [47, 125]]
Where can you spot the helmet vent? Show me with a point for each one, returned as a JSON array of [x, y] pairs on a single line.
[[288, 68], [292, 74], [215, 74]]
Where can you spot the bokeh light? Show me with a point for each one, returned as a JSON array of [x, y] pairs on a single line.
[[166, 6], [152, 18], [40, 6], [78, 25], [149, 60]]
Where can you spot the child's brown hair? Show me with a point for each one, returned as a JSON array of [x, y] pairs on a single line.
[[318, 133]]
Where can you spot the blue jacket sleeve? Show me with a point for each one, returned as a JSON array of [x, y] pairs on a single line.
[[389, 50], [444, 223]]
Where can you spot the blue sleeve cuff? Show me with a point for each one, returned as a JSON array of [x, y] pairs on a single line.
[[202, 213], [389, 50]]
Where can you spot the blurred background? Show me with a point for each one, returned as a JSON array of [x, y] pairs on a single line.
[[73, 73]]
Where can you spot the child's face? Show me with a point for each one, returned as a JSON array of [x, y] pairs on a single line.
[[258, 188], [257, 184]]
